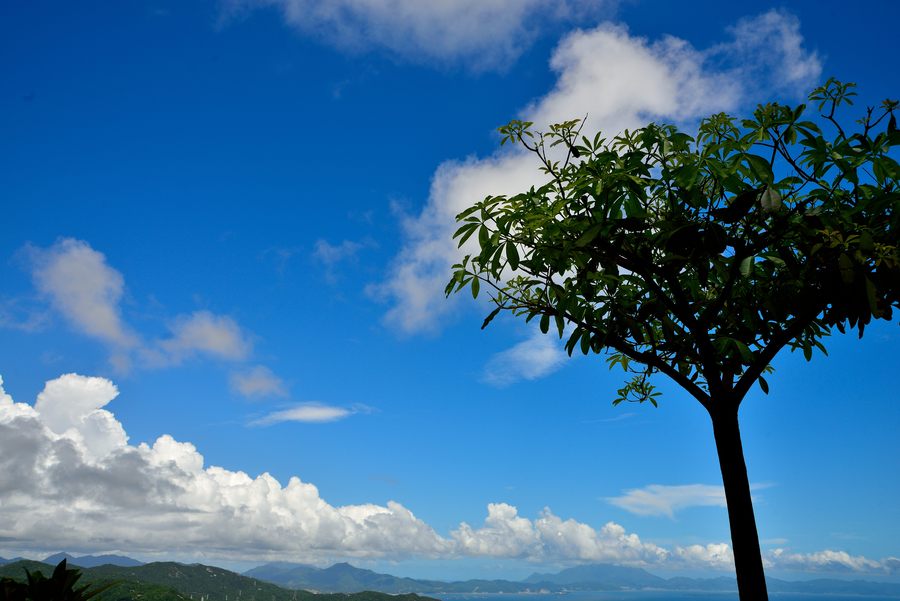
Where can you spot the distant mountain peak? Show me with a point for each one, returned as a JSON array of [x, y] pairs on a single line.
[[92, 561]]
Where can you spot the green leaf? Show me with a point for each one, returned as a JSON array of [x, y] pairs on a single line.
[[512, 255], [476, 286], [490, 317], [484, 237], [743, 350], [545, 323], [770, 199], [573, 339], [466, 231], [747, 266], [761, 168], [588, 236], [763, 384]]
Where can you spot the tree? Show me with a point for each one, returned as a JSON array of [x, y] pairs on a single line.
[[700, 258]]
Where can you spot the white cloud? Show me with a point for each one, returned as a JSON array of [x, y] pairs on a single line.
[[70, 479], [307, 412], [507, 534], [415, 285], [482, 34], [207, 333], [658, 499], [83, 288], [618, 80], [717, 556], [256, 382], [665, 500], [533, 358], [67, 484], [830, 561], [72, 405], [781, 62]]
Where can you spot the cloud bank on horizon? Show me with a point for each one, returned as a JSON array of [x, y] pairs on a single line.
[[70, 478]]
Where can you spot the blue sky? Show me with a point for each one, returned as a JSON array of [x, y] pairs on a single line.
[[238, 214]]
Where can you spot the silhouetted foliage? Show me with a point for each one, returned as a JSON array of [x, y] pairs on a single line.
[[61, 586]]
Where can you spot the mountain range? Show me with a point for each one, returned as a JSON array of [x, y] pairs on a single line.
[[343, 577], [168, 581], [84, 561], [281, 581]]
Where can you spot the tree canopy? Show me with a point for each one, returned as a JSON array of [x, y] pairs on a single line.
[[700, 257]]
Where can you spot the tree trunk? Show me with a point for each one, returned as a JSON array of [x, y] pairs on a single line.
[[751, 579]]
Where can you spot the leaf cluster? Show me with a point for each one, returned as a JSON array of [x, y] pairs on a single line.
[[699, 257]]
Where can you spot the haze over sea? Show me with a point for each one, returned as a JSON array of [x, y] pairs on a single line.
[[650, 596]]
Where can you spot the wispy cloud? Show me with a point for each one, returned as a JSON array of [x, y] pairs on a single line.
[[331, 255], [22, 314], [535, 357], [663, 500], [479, 34], [257, 382], [617, 418], [306, 413]]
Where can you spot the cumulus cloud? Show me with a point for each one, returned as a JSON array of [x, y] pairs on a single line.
[[71, 479], [307, 412], [257, 382], [533, 358], [717, 556], [507, 534], [830, 561], [72, 406], [67, 483], [87, 292], [619, 81], [550, 538], [482, 34]]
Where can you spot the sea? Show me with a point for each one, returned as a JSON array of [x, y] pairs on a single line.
[[650, 596]]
